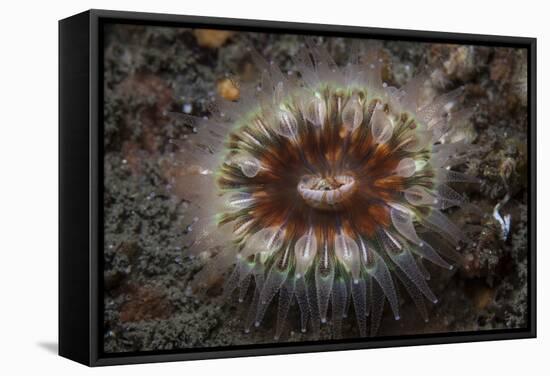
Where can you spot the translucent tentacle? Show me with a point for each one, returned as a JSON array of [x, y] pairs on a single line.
[[305, 250], [339, 298], [303, 303], [259, 280], [444, 175], [422, 268], [448, 197], [359, 295], [324, 279], [245, 276], [347, 252], [231, 283], [420, 196], [444, 226], [377, 303], [273, 283], [440, 106], [313, 299], [381, 126], [404, 259], [352, 114], [405, 168], [316, 111], [380, 272], [285, 298], [443, 246], [402, 219], [414, 293], [426, 251]]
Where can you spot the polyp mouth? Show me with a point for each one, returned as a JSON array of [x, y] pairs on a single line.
[[326, 192]]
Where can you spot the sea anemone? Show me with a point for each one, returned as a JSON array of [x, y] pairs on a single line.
[[325, 186]]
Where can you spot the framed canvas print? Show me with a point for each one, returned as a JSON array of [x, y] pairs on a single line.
[[236, 187]]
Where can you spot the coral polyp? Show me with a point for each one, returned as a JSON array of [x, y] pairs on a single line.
[[330, 189]]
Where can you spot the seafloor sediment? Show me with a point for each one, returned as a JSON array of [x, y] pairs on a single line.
[[150, 71]]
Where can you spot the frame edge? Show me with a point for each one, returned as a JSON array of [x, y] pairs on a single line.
[[74, 221]]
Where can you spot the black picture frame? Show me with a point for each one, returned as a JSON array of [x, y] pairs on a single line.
[[80, 186]]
